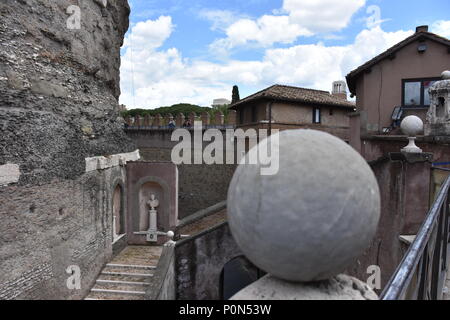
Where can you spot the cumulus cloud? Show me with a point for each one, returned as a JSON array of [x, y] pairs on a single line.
[[264, 31], [150, 34], [321, 15], [164, 77], [295, 19], [441, 28]]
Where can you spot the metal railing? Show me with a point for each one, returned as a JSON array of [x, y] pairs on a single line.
[[421, 274]]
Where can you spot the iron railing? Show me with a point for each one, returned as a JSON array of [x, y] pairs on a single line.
[[421, 274]]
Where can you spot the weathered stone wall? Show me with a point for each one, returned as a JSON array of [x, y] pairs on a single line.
[[199, 262], [59, 86], [404, 182], [58, 105], [47, 228], [374, 147], [200, 185]]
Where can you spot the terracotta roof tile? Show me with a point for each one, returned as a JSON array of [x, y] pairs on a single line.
[[296, 94]]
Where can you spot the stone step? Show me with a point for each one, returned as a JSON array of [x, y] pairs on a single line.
[[145, 271], [120, 282], [117, 291], [127, 277], [126, 274], [130, 266], [128, 286], [106, 295]]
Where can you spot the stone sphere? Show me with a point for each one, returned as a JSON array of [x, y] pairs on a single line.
[[170, 234], [446, 75], [412, 126], [311, 219]]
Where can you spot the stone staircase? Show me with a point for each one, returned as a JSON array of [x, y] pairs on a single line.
[[127, 276]]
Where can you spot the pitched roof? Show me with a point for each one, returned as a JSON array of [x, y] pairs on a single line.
[[295, 94], [419, 35]]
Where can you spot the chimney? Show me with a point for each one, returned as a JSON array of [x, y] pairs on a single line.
[[421, 29], [340, 90]]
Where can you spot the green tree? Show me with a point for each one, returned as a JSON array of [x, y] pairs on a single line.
[[235, 96], [184, 108]]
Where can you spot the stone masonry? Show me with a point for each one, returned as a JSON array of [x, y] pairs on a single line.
[[58, 105]]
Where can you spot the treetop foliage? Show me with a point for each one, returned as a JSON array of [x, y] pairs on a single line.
[[184, 108]]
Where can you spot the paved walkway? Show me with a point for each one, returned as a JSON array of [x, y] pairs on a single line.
[[128, 275], [204, 223]]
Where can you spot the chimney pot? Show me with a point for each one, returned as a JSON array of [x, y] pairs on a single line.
[[422, 29]]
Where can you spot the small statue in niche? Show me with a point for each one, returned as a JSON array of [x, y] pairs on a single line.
[[153, 202]]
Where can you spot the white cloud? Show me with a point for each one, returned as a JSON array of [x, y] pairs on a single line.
[[297, 18], [164, 77], [266, 31], [150, 33], [441, 28], [319, 16]]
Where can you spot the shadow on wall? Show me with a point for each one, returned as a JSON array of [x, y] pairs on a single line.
[[237, 274], [200, 260]]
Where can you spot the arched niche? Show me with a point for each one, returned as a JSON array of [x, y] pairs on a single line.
[[440, 108], [118, 210]]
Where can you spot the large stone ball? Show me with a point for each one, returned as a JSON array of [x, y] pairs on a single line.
[[311, 219], [412, 126]]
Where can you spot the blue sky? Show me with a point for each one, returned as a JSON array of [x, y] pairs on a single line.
[[195, 51]]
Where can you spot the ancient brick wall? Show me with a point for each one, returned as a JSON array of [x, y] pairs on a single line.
[[59, 86], [58, 225], [58, 105]]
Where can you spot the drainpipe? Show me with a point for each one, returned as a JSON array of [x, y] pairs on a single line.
[[270, 118]]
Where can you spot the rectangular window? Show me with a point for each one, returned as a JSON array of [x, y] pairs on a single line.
[[316, 115], [415, 92], [412, 93]]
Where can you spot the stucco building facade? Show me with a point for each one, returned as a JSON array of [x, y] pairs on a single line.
[[395, 84], [286, 107]]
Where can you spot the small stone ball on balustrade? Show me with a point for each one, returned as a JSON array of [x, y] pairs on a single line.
[[446, 75], [412, 126], [311, 219]]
